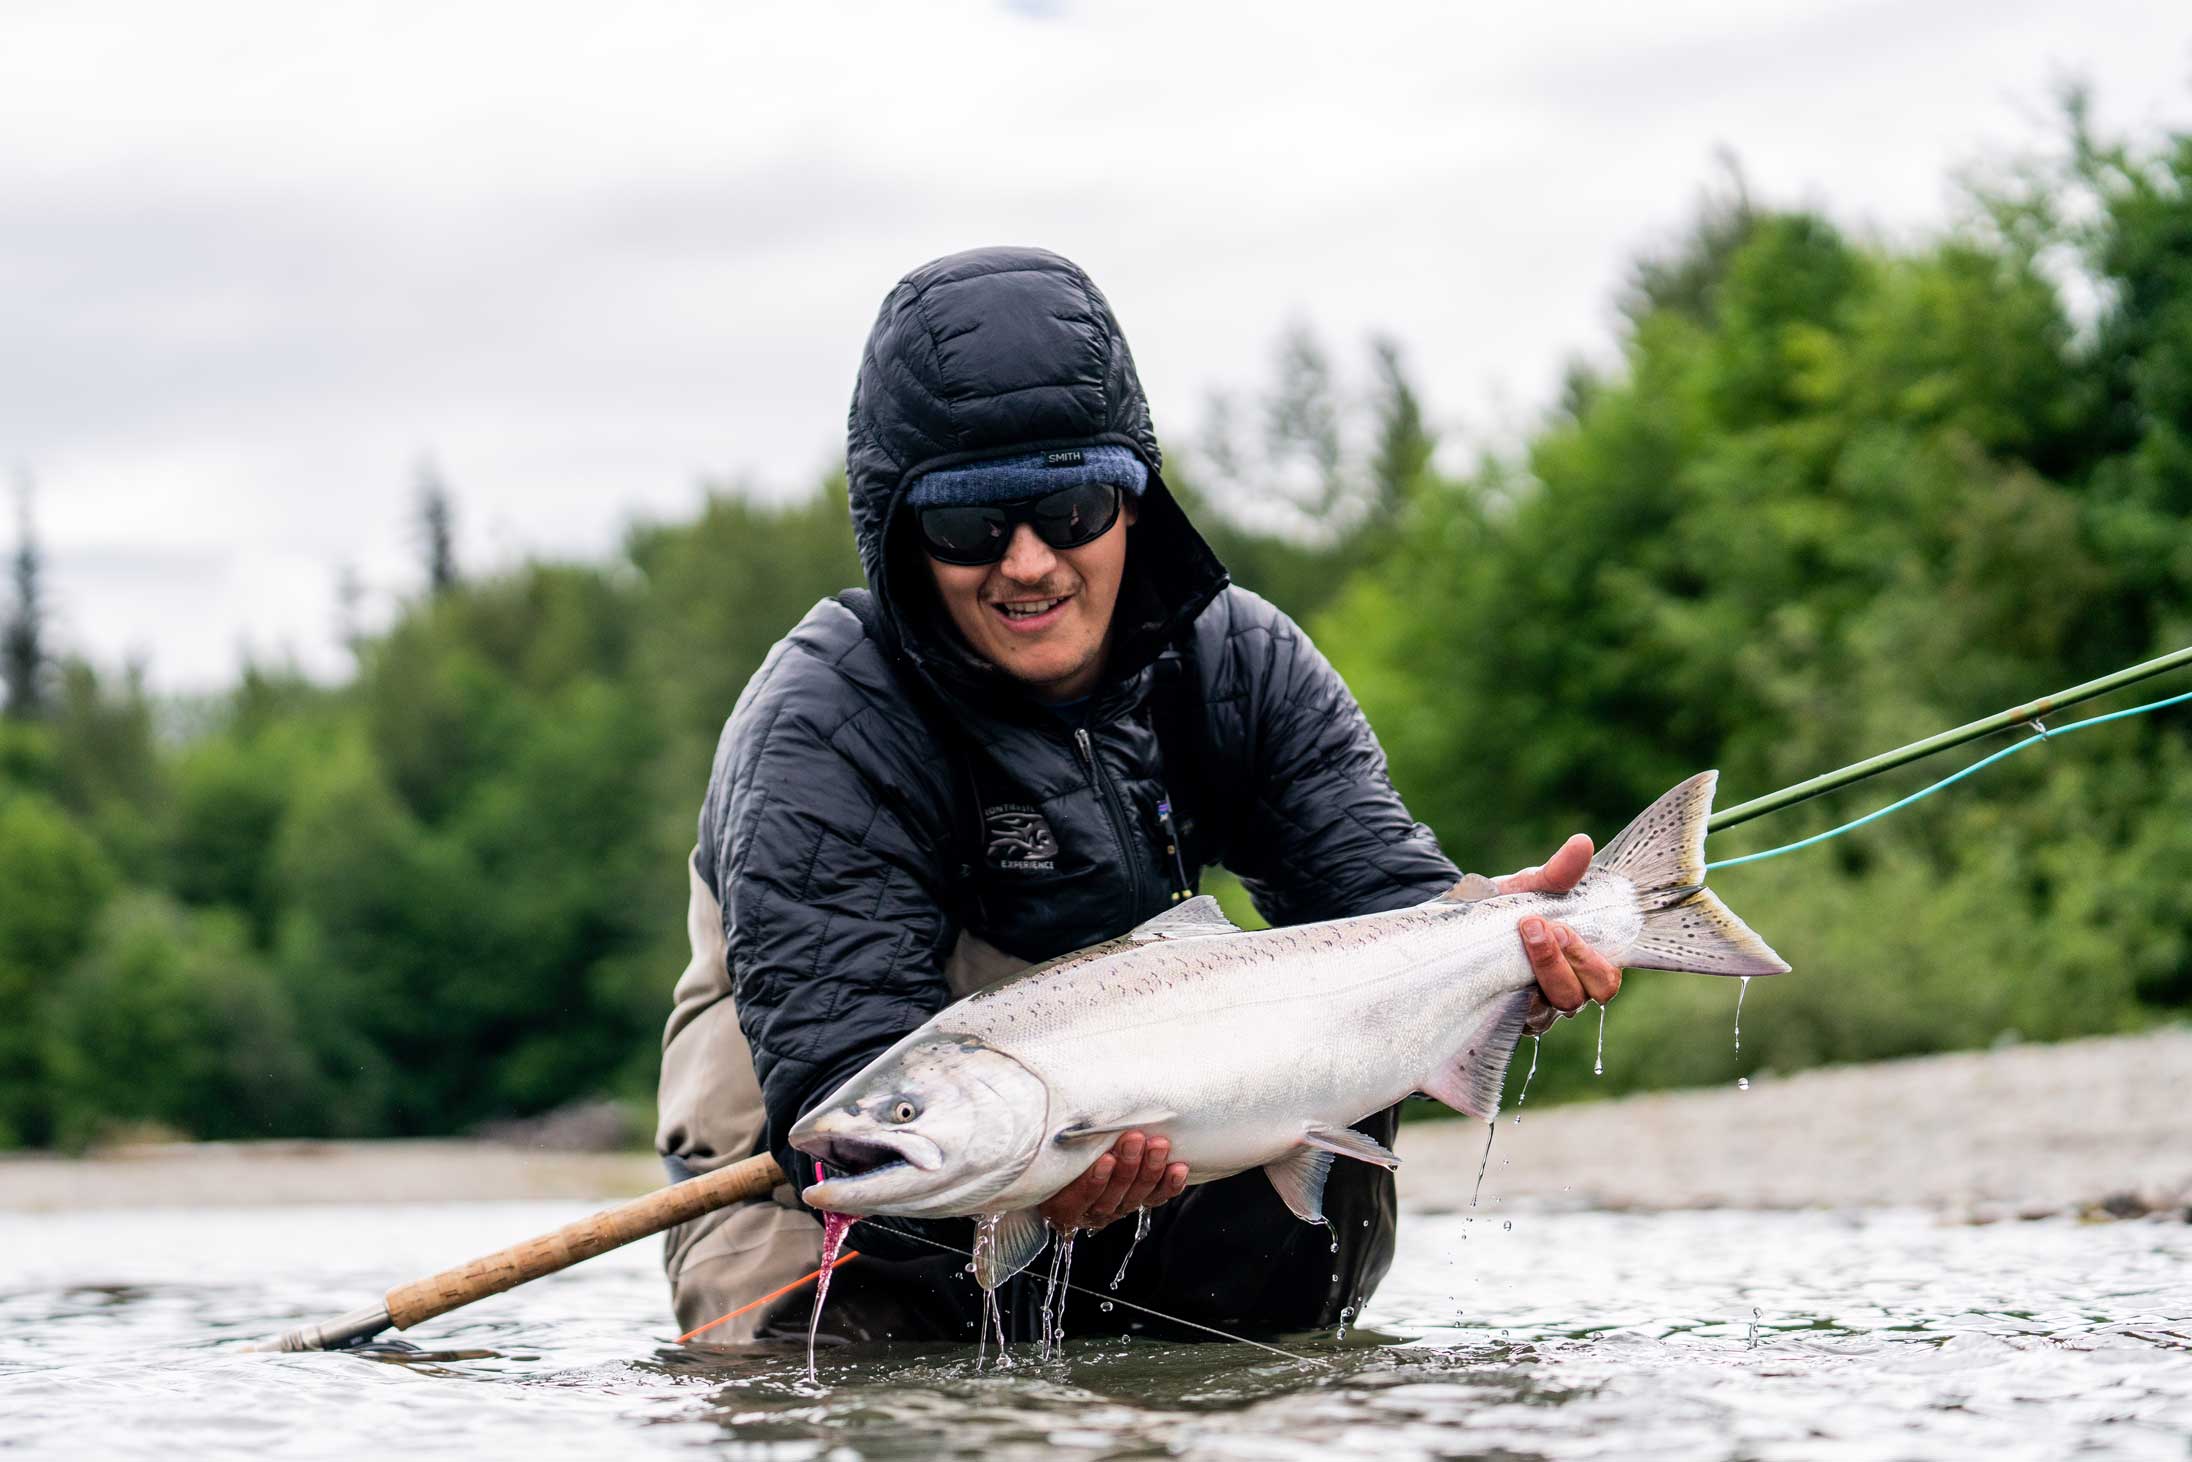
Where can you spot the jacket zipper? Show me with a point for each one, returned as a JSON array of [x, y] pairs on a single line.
[[1115, 812]]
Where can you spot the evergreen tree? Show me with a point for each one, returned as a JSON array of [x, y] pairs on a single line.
[[23, 654], [438, 526], [1402, 455]]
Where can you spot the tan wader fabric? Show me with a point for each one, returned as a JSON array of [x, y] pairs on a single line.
[[710, 1114]]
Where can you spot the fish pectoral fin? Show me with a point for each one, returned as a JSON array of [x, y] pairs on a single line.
[[1014, 1241], [1081, 1131], [1347, 1142], [1299, 1177], [1472, 1079], [1199, 918]]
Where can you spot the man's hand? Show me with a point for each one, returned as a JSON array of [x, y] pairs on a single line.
[[1132, 1175], [1569, 971]]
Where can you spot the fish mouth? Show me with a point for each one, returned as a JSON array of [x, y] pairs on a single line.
[[847, 1156]]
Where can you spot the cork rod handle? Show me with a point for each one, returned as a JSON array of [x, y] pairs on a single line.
[[611, 1228]]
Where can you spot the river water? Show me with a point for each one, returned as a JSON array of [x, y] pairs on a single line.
[[1499, 1334]]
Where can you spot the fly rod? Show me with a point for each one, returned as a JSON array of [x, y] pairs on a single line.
[[2029, 712], [612, 1228]]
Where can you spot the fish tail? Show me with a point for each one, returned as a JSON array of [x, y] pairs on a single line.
[[1686, 926]]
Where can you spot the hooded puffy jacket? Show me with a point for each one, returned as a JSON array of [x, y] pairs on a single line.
[[881, 802]]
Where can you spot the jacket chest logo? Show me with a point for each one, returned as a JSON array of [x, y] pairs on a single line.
[[1019, 838]]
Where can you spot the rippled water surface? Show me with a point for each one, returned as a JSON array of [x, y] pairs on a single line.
[[1531, 1334]]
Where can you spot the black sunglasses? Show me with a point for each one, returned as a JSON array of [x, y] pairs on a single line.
[[1067, 518]]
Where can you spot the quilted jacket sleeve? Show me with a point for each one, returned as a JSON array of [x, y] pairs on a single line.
[[831, 881], [1319, 831]]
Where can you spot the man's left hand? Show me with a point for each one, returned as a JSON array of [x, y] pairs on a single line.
[[1569, 971]]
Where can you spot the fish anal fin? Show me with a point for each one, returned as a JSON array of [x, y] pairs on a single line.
[[1081, 1131], [1198, 918], [1299, 1177], [1473, 886], [1472, 1079], [1013, 1242], [1347, 1142]]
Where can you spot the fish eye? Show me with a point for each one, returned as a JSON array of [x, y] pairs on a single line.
[[903, 1111]]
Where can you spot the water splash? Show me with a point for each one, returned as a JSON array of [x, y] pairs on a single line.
[[1491, 1130], [1141, 1231], [1740, 991], [834, 1226], [1598, 1062], [1535, 1042]]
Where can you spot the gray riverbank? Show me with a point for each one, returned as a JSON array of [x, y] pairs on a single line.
[[1980, 1134], [2084, 1126]]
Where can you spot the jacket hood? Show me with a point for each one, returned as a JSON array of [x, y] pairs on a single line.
[[996, 352]]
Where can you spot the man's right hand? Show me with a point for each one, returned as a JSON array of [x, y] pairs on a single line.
[[1134, 1174]]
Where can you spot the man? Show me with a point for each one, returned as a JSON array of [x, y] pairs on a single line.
[[1045, 717]]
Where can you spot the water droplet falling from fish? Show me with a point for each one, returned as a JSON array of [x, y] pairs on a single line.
[[1742, 1083], [1141, 1231], [1054, 1294], [1740, 991], [1491, 1130], [1535, 1042], [985, 1236], [834, 1226], [1598, 1062]]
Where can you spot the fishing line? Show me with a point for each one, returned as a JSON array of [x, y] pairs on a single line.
[[845, 1258], [2040, 733]]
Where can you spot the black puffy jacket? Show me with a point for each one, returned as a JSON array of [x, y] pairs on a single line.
[[875, 794]]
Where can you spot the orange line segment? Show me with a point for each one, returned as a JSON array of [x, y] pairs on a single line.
[[845, 1258]]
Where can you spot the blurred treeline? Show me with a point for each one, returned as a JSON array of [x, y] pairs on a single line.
[[1836, 494]]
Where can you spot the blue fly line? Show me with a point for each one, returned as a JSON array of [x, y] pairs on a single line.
[[2042, 734]]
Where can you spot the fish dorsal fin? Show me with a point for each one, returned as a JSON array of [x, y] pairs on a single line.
[[1347, 1142], [1198, 918], [1473, 886], [1299, 1177], [1013, 1242]]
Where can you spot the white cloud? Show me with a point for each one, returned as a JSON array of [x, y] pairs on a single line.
[[260, 257]]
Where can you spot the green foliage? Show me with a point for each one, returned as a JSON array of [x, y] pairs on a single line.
[[1841, 497], [172, 1018], [53, 881]]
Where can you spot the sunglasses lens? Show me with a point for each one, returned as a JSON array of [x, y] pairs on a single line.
[[1066, 518], [1073, 516], [966, 535]]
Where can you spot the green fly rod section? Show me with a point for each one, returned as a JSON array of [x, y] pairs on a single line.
[[1902, 756]]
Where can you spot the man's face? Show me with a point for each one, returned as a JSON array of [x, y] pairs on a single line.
[[1041, 614]]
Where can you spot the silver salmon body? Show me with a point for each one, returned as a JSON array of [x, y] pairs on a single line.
[[1244, 1049]]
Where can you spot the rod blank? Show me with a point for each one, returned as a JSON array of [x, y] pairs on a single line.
[[1904, 755]]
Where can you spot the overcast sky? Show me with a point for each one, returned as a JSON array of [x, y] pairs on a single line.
[[257, 259]]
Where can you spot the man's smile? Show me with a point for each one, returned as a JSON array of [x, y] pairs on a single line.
[[1025, 616]]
